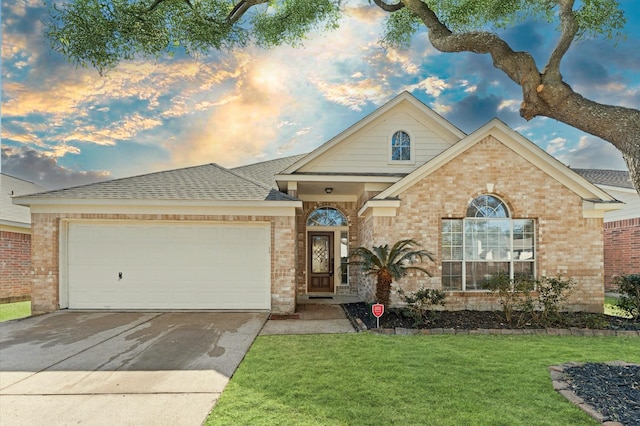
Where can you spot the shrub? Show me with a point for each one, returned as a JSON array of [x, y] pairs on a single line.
[[519, 302], [421, 301], [552, 293], [512, 294], [629, 299]]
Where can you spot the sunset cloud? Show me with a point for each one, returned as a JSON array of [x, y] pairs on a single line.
[[250, 104]]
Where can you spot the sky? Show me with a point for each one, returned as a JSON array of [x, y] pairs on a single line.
[[65, 126]]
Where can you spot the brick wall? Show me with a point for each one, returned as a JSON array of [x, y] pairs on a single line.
[[15, 267], [621, 249], [566, 243], [45, 257]]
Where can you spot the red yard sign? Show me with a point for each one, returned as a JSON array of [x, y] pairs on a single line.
[[377, 310]]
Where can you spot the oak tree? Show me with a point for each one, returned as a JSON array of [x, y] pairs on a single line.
[[101, 33]]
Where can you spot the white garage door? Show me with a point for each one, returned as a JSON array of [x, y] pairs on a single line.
[[168, 266]]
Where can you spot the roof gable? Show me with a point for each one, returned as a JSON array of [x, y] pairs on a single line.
[[363, 148], [517, 143]]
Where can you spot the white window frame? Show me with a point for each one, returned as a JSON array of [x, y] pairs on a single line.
[[511, 249], [412, 148]]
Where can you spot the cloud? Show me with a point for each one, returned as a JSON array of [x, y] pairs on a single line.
[[591, 153], [431, 85], [44, 170], [247, 120], [556, 145]]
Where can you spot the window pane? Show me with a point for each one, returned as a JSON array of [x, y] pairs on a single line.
[[523, 239], [451, 239], [487, 239], [477, 273], [452, 276], [523, 269]]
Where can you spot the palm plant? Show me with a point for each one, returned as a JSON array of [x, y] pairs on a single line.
[[389, 264]]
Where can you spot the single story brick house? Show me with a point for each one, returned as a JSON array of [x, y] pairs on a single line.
[[621, 227], [15, 240], [262, 235]]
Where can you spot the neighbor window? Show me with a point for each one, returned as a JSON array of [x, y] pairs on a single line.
[[484, 243], [400, 146]]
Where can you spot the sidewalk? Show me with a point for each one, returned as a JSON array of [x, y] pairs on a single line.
[[313, 316]]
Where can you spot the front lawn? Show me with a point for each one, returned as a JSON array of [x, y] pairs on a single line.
[[371, 379], [9, 311]]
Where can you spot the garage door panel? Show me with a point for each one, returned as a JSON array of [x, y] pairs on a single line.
[[168, 266]]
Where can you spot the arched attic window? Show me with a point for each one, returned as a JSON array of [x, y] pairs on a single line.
[[401, 146], [326, 216]]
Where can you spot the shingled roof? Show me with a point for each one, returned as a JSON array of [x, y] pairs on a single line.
[[206, 182], [618, 178], [265, 171]]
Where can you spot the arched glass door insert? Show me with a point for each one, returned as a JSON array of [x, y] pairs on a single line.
[[326, 216]]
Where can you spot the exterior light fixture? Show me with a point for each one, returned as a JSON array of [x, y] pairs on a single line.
[[328, 190]]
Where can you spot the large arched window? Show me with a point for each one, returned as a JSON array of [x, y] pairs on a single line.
[[326, 216], [485, 242]]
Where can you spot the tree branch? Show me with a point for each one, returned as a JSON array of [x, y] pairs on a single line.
[[388, 7], [241, 8], [568, 30]]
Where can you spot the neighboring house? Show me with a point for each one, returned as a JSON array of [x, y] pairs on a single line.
[[263, 235], [621, 227], [15, 240]]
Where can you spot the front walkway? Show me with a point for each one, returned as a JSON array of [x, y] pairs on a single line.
[[322, 315]]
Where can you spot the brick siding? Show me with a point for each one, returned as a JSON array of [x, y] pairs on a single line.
[[621, 249], [566, 243], [15, 267]]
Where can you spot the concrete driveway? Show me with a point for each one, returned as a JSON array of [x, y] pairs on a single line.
[[106, 368]]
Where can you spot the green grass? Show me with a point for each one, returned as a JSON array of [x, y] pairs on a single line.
[[9, 311], [369, 379]]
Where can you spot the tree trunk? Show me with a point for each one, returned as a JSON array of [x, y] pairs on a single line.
[[383, 287]]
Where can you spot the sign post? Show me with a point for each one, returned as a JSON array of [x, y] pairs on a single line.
[[377, 310]]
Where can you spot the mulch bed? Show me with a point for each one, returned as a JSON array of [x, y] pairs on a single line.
[[613, 391], [471, 320]]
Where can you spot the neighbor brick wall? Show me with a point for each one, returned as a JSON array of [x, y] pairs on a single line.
[[566, 242], [45, 254], [15, 267], [621, 249]]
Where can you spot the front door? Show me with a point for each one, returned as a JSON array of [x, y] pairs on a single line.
[[321, 261]]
